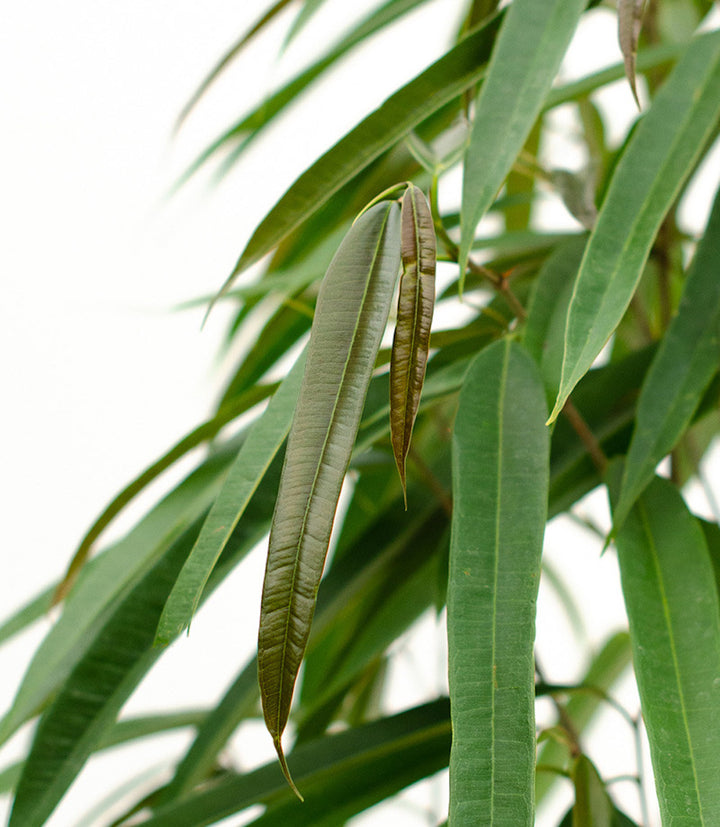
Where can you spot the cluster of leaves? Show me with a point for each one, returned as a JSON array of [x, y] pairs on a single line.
[[487, 467]]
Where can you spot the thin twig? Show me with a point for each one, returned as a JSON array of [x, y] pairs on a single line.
[[588, 439]]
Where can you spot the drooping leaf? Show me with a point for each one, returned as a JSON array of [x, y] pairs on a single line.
[[527, 54], [630, 14], [672, 605], [124, 731], [500, 478], [118, 652], [350, 319], [341, 774], [687, 358], [427, 93], [645, 183], [229, 56], [103, 584], [605, 669], [308, 10], [260, 447], [416, 301], [203, 433]]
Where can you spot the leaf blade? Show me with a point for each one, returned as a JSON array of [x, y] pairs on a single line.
[[672, 605], [520, 71], [428, 92], [646, 181], [686, 360], [500, 501], [411, 341], [350, 318], [257, 452]]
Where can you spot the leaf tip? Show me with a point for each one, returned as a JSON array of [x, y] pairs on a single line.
[[277, 742]]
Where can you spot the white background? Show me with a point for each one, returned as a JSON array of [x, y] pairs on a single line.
[[100, 375]]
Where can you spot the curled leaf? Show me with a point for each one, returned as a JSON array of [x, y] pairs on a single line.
[[352, 310], [630, 14], [412, 331]]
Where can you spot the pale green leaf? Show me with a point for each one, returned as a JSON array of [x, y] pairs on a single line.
[[646, 181], [117, 654], [500, 484], [263, 442], [606, 667], [350, 318], [527, 54], [672, 606], [103, 584], [447, 78], [687, 358], [341, 774]]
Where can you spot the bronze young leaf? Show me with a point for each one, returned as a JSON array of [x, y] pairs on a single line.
[[350, 318], [630, 14], [412, 331]]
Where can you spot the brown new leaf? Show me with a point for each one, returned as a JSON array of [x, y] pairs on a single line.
[[412, 331]]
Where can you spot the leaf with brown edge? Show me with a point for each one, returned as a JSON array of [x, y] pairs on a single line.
[[411, 342], [630, 14], [350, 319]]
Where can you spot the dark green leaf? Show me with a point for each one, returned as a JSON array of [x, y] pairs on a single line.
[[117, 653], [416, 301], [646, 181], [687, 358], [341, 774], [109, 578], [592, 807], [500, 478], [259, 449], [429, 92], [350, 319], [672, 606]]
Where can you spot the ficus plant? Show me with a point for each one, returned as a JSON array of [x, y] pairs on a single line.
[[455, 446]]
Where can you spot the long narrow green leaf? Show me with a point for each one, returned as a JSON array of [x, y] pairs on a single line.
[[107, 580], [229, 56], [203, 433], [249, 127], [303, 17], [341, 774], [500, 483], [672, 606], [350, 319], [124, 731], [527, 54], [262, 444], [686, 360], [414, 319], [117, 655], [608, 665], [646, 181], [427, 93]]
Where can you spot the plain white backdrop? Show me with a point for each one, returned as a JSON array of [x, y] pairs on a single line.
[[99, 373]]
